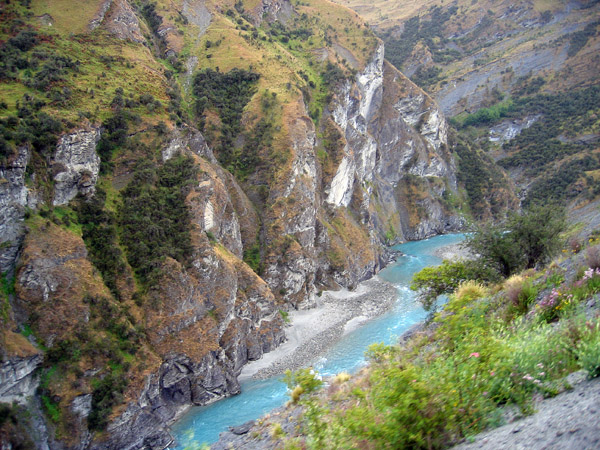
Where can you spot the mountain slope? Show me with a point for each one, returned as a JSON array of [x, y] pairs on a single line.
[[504, 69], [175, 174]]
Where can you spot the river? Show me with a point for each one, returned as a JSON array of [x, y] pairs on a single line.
[[203, 424]]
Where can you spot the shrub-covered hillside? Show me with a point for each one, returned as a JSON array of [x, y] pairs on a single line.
[[496, 347], [174, 177]]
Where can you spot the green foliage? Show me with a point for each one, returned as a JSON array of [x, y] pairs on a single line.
[[486, 116], [483, 181], [51, 408], [107, 393], [285, 316], [13, 56], [578, 39], [427, 77], [252, 257], [228, 94], [115, 134], [100, 234], [30, 126], [431, 282], [522, 242], [524, 297], [303, 381], [588, 350], [332, 75], [538, 148], [154, 217], [36, 68], [246, 159], [557, 184], [448, 384], [431, 32]]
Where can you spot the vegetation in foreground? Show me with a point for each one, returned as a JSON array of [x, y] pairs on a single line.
[[496, 346]]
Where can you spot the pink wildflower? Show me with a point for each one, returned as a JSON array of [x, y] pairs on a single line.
[[474, 355], [492, 373]]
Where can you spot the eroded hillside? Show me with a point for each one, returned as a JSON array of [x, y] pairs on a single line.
[[175, 174]]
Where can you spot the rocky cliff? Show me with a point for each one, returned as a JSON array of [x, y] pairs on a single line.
[[145, 261], [393, 132]]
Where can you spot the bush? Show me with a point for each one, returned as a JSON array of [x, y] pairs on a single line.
[[592, 257], [520, 293], [469, 291], [227, 93], [522, 242], [100, 234], [154, 217], [302, 381], [588, 350], [431, 282]]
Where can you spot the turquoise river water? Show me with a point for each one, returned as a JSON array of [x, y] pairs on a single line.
[[203, 424]]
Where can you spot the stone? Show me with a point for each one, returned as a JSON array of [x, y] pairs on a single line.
[[75, 165], [242, 429]]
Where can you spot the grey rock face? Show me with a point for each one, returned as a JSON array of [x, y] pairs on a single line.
[[294, 275], [119, 18], [393, 130], [179, 383], [82, 405], [122, 21], [196, 12], [75, 165], [13, 200], [99, 17], [18, 380], [188, 139]]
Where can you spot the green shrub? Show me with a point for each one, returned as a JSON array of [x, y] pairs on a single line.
[[431, 282], [588, 350], [228, 94], [99, 229], [523, 241], [302, 381], [154, 217], [520, 293]]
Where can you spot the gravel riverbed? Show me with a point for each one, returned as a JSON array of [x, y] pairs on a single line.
[[312, 332]]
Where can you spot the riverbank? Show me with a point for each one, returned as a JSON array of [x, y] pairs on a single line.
[[312, 332], [453, 252]]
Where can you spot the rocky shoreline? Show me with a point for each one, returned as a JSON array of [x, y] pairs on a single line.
[[311, 333], [453, 252]]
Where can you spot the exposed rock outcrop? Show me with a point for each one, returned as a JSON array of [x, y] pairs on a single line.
[[393, 132], [120, 19], [388, 184], [13, 200], [195, 12], [75, 165], [17, 378]]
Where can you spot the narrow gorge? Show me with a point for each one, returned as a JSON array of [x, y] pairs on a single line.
[[119, 316], [177, 176]]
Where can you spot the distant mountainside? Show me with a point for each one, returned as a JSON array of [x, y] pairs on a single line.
[[500, 68]]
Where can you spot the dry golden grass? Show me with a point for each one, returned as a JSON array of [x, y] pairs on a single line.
[[69, 16], [470, 290]]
